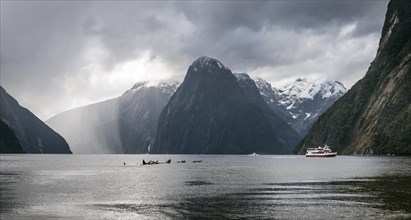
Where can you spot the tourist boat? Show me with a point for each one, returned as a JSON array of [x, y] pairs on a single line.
[[320, 152]]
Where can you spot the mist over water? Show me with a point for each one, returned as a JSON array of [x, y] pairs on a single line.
[[92, 129], [220, 187]]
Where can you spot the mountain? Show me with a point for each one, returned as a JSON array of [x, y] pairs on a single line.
[[8, 140], [126, 124], [211, 114], [301, 102], [139, 110], [282, 129], [32, 134], [374, 116]]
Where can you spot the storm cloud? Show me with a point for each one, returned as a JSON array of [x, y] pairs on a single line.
[[64, 54]]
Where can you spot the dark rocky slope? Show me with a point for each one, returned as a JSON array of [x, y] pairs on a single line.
[[374, 117], [33, 135], [8, 140]]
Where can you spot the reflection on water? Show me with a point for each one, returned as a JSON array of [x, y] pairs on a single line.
[[8, 181], [233, 187], [387, 197]]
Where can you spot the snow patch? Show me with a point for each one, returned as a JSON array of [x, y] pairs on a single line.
[[220, 64], [282, 102], [290, 106]]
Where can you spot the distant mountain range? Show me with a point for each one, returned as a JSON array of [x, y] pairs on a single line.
[[374, 116], [301, 102], [23, 132], [126, 124]]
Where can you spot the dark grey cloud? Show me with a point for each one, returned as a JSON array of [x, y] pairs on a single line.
[[57, 55], [242, 21], [296, 15]]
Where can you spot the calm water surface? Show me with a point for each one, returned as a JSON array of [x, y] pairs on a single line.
[[221, 187]]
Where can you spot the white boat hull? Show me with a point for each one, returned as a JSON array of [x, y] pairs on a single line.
[[333, 154]]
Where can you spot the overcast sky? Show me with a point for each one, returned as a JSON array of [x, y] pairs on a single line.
[[64, 54]]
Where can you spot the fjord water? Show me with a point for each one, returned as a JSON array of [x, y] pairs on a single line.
[[220, 187]]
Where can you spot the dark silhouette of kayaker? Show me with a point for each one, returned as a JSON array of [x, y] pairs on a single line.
[[144, 162]]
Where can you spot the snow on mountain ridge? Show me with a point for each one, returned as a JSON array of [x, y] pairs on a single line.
[[302, 101], [304, 88], [242, 76], [207, 63], [164, 87], [266, 89]]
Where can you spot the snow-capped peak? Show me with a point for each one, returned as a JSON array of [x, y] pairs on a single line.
[[332, 88], [305, 88], [301, 102], [207, 63]]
